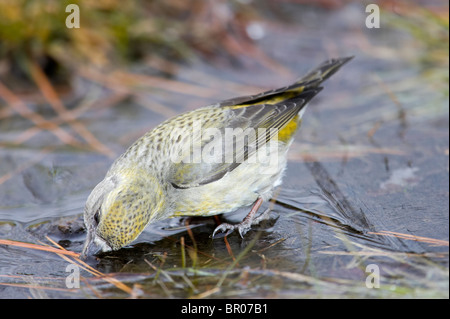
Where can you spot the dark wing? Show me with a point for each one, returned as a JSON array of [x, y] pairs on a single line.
[[270, 111], [311, 80], [246, 130]]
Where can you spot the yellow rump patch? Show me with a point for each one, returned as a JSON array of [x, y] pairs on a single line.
[[288, 131]]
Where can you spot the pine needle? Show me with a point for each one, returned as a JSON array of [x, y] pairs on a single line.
[[38, 247]]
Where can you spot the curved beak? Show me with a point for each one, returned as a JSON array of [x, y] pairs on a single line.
[[93, 239], [87, 244]]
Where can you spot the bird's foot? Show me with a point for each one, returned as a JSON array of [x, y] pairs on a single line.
[[243, 227]]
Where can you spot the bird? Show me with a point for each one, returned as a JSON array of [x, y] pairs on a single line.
[[209, 161]]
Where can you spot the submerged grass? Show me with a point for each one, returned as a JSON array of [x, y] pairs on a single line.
[[411, 275]]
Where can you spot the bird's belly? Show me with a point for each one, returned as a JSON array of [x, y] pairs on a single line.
[[254, 178]]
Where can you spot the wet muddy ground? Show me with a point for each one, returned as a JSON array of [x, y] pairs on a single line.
[[366, 189]]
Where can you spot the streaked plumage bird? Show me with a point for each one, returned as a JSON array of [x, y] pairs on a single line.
[[209, 161]]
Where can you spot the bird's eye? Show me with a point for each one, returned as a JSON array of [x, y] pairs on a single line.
[[97, 217]]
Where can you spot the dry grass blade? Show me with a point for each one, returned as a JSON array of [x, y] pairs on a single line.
[[26, 135], [214, 81], [271, 245], [230, 251], [192, 252], [74, 113], [164, 84], [234, 45], [206, 294], [380, 253], [124, 81], [183, 253], [199, 252], [122, 88], [38, 287], [91, 270], [63, 253], [364, 251], [159, 270], [85, 266], [238, 258], [5, 113], [38, 247], [427, 240], [15, 103], [394, 99], [50, 94]]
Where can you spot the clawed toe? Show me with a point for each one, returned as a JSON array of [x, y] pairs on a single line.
[[224, 228], [242, 227], [246, 224]]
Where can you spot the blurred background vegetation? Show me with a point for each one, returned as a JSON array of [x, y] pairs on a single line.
[[115, 32]]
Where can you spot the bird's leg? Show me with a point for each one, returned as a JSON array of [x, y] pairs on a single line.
[[244, 226]]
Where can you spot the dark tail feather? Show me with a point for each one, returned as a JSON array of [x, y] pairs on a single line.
[[323, 71], [310, 81]]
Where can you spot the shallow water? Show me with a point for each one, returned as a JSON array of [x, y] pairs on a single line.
[[368, 168]]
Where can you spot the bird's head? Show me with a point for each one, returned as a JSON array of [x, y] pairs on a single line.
[[119, 208]]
